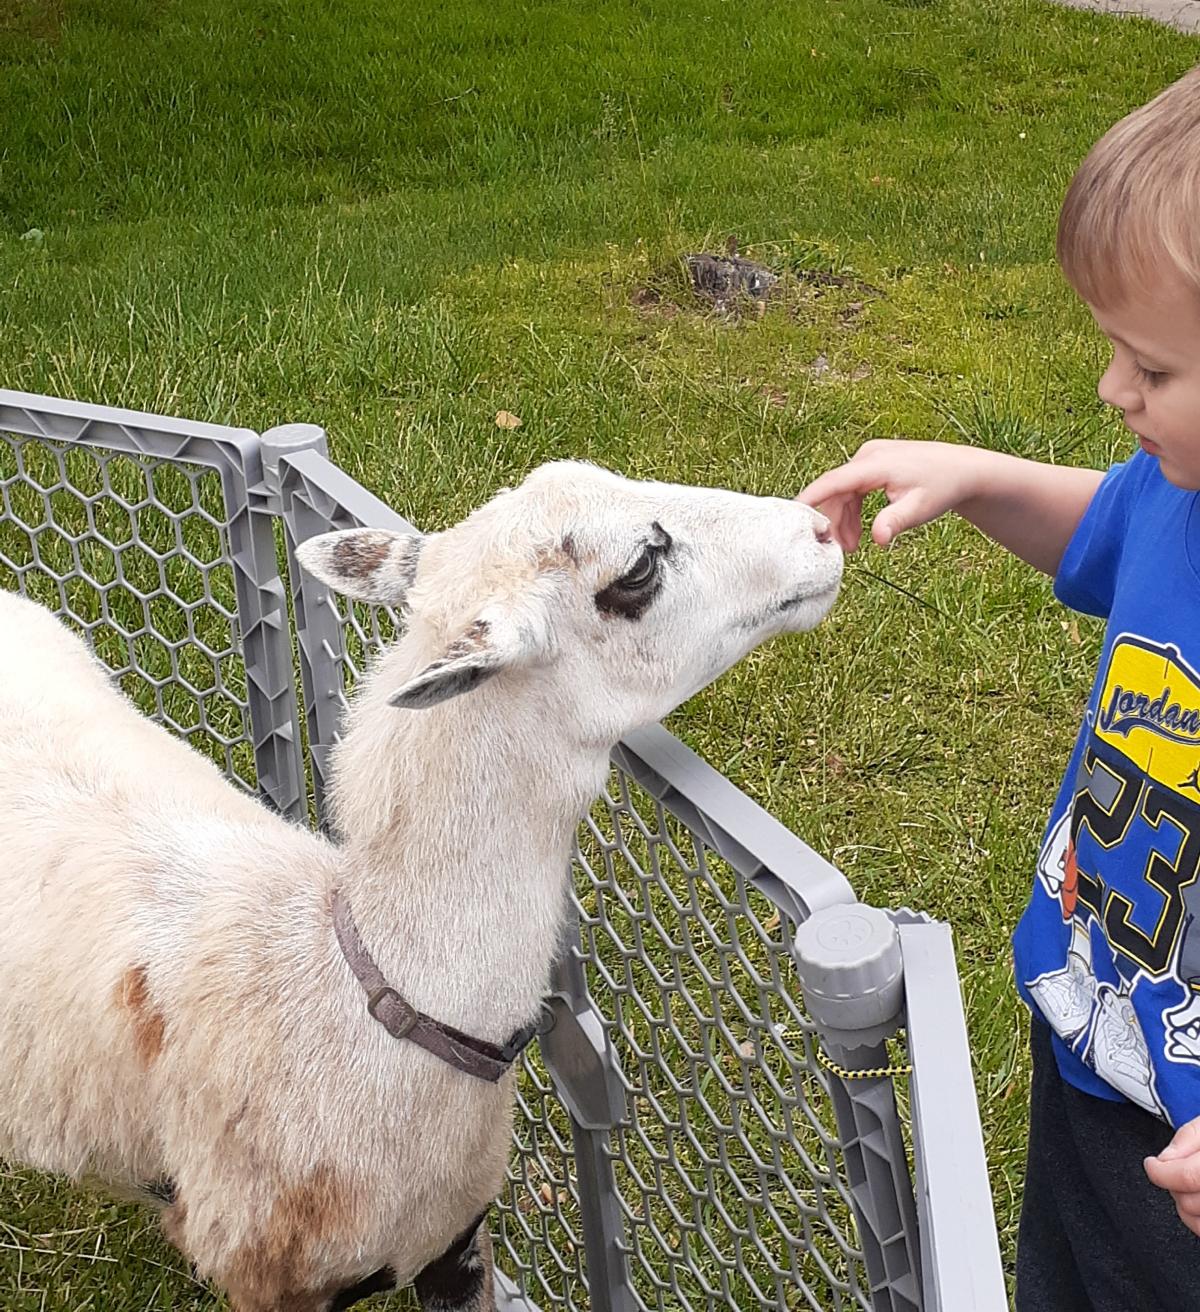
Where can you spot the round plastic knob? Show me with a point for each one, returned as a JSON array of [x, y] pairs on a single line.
[[287, 440], [850, 967]]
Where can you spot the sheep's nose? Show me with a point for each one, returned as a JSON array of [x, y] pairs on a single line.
[[824, 531]]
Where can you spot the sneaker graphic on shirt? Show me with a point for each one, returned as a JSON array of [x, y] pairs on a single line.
[[1065, 997], [1183, 1030], [1052, 860], [1118, 1052]]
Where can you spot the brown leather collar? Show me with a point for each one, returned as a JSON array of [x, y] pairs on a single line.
[[477, 1057]]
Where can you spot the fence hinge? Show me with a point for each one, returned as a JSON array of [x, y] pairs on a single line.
[[285, 440]]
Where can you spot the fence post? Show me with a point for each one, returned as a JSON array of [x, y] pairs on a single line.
[[851, 970], [277, 443], [287, 440], [960, 1251], [581, 1062], [266, 635]]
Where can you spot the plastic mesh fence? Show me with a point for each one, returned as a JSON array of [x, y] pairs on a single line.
[[133, 549], [725, 1164]]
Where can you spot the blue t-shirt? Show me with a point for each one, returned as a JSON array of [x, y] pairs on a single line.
[[1108, 950]]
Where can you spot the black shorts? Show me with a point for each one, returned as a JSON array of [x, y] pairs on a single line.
[[1096, 1235]]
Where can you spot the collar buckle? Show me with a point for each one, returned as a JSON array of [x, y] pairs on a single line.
[[402, 1015]]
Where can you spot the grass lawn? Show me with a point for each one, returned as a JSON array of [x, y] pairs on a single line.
[[397, 220]]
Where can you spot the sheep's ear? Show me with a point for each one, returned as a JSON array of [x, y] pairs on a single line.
[[366, 564], [503, 637]]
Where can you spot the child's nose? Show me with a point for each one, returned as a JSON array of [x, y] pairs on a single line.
[[1116, 388]]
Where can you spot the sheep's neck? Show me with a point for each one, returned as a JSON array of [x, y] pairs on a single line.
[[457, 845]]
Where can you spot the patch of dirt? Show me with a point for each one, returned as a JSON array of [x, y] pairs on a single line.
[[651, 299], [733, 287], [40, 20]]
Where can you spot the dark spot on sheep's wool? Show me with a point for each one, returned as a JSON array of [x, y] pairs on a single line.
[[630, 595], [557, 559], [662, 540], [382, 1280], [149, 1027], [457, 1277], [614, 600], [358, 555], [277, 1268], [468, 644], [569, 549]]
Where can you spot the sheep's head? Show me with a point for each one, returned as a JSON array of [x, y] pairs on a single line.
[[634, 595]]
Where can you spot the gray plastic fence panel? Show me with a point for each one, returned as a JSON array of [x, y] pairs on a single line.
[[152, 536], [961, 1265], [676, 1145], [764, 852], [852, 974]]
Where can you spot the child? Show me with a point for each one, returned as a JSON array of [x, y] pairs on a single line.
[[1107, 953]]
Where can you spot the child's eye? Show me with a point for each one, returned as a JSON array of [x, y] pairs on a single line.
[[1152, 377]]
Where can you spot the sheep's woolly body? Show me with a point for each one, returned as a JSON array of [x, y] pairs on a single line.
[[172, 998], [172, 1001]]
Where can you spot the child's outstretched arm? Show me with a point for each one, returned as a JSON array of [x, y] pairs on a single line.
[[1030, 508]]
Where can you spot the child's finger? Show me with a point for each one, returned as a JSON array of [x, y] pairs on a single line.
[[846, 480], [908, 510], [844, 514], [845, 518], [1185, 1142], [1181, 1175]]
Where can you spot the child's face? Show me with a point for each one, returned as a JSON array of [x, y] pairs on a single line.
[[1154, 375]]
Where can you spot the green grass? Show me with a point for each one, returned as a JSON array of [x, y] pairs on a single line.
[[397, 226]]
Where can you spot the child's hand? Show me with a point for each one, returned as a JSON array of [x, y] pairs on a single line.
[[1177, 1169], [922, 481]]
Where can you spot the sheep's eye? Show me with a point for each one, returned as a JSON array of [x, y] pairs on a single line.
[[633, 593], [642, 572]]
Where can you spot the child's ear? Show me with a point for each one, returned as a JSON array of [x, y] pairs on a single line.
[[366, 564]]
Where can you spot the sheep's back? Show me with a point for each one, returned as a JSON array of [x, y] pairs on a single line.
[[110, 830]]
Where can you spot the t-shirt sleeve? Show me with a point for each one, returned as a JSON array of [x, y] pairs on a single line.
[[1087, 574]]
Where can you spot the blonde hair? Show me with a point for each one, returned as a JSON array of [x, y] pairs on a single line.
[[1132, 211]]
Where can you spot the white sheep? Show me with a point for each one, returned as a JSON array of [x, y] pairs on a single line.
[[174, 1003]]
